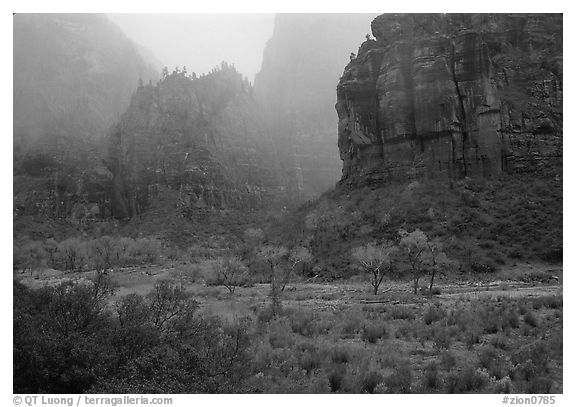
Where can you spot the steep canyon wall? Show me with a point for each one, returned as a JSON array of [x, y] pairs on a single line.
[[452, 95]]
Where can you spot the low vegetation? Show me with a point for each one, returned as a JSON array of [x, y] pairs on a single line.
[[332, 303], [76, 254], [79, 336]]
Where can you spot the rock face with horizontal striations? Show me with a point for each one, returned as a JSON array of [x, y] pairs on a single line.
[[452, 95]]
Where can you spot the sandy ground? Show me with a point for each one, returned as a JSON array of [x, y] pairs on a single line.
[[317, 296]]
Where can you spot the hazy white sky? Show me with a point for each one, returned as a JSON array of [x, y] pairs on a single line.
[[201, 41]]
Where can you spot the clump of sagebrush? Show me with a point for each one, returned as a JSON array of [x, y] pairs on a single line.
[[372, 331]]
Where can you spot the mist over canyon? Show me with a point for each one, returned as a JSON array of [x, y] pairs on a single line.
[[376, 208]]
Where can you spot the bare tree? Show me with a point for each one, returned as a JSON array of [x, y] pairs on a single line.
[[273, 256], [438, 259], [231, 272], [415, 248], [298, 255], [376, 259]]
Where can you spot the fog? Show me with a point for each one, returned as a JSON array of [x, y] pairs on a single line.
[[201, 41]]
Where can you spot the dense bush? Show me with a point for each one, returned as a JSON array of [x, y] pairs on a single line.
[[434, 313], [466, 380], [400, 381], [67, 340], [370, 381], [72, 337], [371, 332]]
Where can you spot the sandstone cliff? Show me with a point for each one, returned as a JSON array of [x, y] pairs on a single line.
[[453, 95], [197, 138]]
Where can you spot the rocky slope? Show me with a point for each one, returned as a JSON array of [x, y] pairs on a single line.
[[295, 87], [453, 95], [197, 137], [73, 76]]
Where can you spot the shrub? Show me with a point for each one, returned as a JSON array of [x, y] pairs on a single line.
[[525, 370], [302, 323], [549, 301], [371, 332], [511, 319], [465, 380], [231, 273], [400, 381], [442, 339], [538, 354], [447, 359], [474, 379], [494, 362], [30, 256], [154, 343], [310, 361], [351, 325], [433, 314], [432, 292], [370, 380], [471, 337], [531, 319], [478, 267], [431, 378], [280, 334], [102, 253], [340, 354], [500, 342], [540, 385], [502, 386], [145, 250], [404, 331], [402, 312], [336, 378]]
